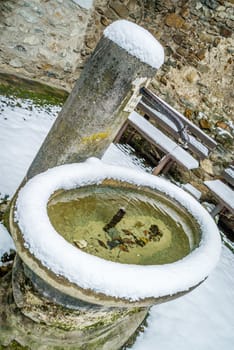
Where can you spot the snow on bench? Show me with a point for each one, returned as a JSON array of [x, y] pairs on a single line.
[[192, 190], [223, 193], [169, 126], [200, 148], [172, 150]]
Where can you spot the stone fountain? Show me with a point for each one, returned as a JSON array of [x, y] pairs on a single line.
[[97, 245]]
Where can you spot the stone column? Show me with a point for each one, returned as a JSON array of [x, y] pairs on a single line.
[[100, 100]]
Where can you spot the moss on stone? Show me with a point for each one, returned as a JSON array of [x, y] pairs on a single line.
[[14, 345], [40, 94]]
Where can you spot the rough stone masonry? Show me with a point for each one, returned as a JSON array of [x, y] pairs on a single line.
[[42, 39]]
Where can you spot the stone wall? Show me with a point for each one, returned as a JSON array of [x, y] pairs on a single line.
[[42, 39]]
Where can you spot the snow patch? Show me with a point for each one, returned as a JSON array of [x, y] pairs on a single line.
[[201, 320], [132, 282], [137, 41], [6, 242], [123, 155], [87, 4], [192, 190], [24, 127]]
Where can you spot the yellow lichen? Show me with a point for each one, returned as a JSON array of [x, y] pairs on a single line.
[[96, 137]]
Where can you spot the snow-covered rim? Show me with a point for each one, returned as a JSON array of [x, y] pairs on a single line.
[[132, 282]]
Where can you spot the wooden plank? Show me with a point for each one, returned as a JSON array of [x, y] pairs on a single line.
[[228, 175], [162, 164], [162, 121], [168, 166], [163, 107], [222, 192]]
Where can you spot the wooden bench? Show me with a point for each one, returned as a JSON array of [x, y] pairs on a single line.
[[172, 122], [168, 122], [163, 122], [173, 151]]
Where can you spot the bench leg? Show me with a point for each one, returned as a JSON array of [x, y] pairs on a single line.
[[120, 132], [167, 167], [131, 136], [162, 164], [216, 210]]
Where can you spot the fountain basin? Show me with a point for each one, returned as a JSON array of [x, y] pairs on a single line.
[[104, 279]]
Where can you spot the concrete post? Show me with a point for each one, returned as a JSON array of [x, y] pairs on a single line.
[[101, 100]]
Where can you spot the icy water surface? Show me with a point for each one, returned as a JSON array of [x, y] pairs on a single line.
[[151, 229]]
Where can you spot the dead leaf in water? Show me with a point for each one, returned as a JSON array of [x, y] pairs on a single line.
[[139, 224], [140, 242], [144, 239], [154, 230], [124, 248], [127, 232], [128, 241], [102, 244]]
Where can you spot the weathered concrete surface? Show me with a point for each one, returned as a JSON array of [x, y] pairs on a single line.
[[94, 111]]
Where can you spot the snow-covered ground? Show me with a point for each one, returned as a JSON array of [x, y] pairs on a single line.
[[6, 242], [201, 320], [23, 127]]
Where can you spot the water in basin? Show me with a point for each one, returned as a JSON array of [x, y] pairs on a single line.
[[152, 229]]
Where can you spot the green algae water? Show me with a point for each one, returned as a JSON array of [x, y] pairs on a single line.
[[152, 230]]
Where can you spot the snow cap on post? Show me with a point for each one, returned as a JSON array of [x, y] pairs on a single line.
[[137, 41]]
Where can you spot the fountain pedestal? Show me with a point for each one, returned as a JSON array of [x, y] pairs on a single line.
[[36, 322]]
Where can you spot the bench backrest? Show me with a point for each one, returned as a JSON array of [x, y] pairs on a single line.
[[228, 175], [157, 103], [166, 124]]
